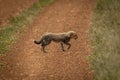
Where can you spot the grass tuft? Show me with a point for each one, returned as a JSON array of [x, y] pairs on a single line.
[[9, 34]]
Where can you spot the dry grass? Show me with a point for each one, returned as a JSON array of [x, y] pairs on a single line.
[[105, 39]]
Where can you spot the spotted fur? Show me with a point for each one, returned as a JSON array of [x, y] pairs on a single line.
[[62, 38]]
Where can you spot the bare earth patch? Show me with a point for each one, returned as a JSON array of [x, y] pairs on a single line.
[[26, 62]]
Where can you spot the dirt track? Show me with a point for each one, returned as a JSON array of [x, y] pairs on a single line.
[[27, 62]]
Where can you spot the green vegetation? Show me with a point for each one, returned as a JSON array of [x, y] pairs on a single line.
[[9, 34], [2, 65], [105, 40]]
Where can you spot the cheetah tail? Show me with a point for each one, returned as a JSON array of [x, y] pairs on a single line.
[[37, 42]]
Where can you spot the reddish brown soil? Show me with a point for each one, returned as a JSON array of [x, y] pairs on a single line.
[[9, 8], [27, 62]]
